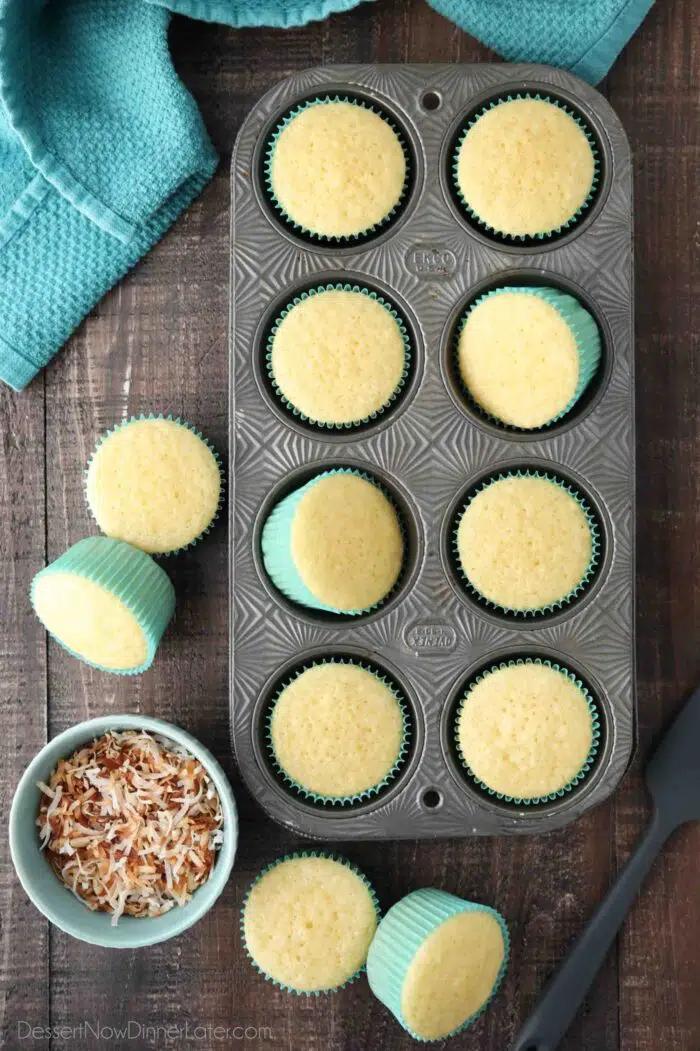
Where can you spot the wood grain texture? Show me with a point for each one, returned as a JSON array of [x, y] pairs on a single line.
[[159, 342]]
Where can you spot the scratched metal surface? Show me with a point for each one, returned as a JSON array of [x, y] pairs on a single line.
[[430, 636]]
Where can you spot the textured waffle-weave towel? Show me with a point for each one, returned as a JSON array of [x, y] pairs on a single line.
[[102, 147]]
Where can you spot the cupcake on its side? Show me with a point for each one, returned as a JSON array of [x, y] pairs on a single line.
[[436, 961], [527, 731], [525, 168], [307, 922], [335, 544], [526, 355], [154, 482], [337, 732], [526, 543], [336, 169], [338, 355]]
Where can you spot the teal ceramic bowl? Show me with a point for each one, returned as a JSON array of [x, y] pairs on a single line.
[[47, 892]]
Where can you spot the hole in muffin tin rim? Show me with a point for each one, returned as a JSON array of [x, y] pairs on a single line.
[[528, 277], [572, 608], [571, 800], [533, 87], [283, 672], [416, 173], [414, 533], [395, 409]]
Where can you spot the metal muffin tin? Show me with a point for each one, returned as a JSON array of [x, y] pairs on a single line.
[[428, 451]]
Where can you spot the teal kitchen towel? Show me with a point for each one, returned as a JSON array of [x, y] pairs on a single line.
[[102, 146]]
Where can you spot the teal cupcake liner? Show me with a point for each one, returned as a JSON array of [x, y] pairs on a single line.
[[400, 935], [187, 426], [340, 287], [279, 861], [368, 793], [284, 216], [595, 726], [543, 235], [130, 575], [585, 332], [565, 600], [277, 555]]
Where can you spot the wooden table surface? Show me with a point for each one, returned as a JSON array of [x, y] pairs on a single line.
[[159, 342]]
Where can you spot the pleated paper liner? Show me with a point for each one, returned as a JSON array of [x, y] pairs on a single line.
[[544, 236], [280, 861], [313, 236], [580, 776], [583, 328], [186, 426], [576, 592], [401, 934], [344, 802], [395, 395], [276, 547]]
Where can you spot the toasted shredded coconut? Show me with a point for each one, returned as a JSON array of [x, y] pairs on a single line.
[[131, 824]]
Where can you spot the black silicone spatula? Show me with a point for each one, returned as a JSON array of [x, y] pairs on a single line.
[[673, 778]]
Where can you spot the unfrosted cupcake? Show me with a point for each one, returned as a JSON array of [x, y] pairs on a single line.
[[154, 482], [436, 961], [527, 731], [335, 544], [338, 355], [525, 167], [526, 355], [526, 543], [307, 922], [336, 168], [337, 732], [106, 603]]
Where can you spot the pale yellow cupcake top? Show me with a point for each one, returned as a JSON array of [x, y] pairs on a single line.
[[337, 729], [308, 923], [525, 167], [518, 359], [346, 542], [337, 169], [338, 356], [155, 484], [452, 974], [524, 543], [89, 620], [525, 730]]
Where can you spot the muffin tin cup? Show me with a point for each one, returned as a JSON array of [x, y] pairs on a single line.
[[198, 434], [582, 326], [400, 935], [277, 553], [289, 857], [590, 758], [586, 579], [345, 801], [360, 235], [130, 575], [395, 394], [543, 235]]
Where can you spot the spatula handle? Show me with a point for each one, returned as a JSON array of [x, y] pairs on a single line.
[[558, 1003]]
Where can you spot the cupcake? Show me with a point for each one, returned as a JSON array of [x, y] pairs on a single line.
[[106, 603], [525, 167], [337, 356], [335, 544], [527, 731], [526, 543], [337, 732], [307, 922], [335, 168], [154, 482], [526, 355], [436, 961]]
